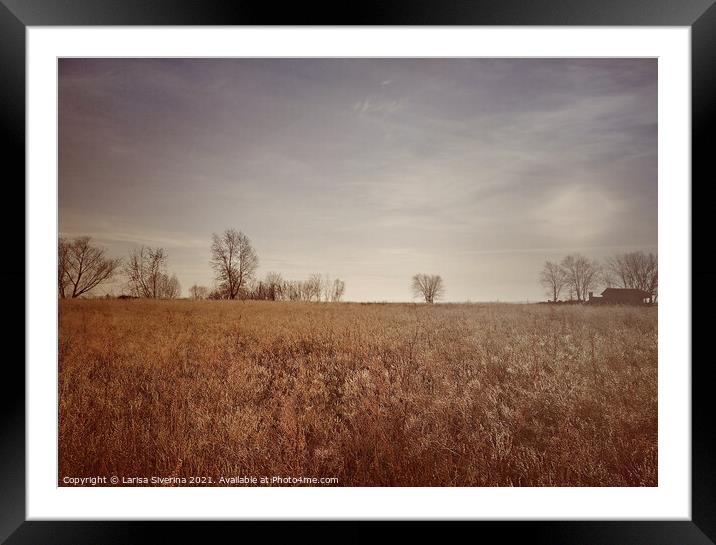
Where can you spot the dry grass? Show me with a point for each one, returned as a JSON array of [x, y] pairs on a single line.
[[376, 395]]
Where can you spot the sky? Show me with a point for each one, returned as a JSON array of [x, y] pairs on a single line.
[[369, 170]]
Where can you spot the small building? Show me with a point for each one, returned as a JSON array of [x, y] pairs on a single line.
[[621, 296]]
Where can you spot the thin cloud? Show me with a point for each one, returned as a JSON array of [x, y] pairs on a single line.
[[139, 239]]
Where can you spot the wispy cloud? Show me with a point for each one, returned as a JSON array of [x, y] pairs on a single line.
[[144, 239], [377, 104]]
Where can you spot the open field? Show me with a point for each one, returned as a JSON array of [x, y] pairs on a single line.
[[375, 395]]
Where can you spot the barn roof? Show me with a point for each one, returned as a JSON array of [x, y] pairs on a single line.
[[626, 291]]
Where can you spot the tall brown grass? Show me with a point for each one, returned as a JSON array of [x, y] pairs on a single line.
[[376, 395]]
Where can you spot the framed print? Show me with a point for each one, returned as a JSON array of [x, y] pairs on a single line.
[[403, 267]]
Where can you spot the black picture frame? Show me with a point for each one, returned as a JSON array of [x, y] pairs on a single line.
[[16, 15]]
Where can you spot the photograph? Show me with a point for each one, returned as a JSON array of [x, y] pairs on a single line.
[[357, 272]]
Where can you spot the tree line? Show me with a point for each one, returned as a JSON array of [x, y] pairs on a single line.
[[576, 275], [273, 287], [83, 266]]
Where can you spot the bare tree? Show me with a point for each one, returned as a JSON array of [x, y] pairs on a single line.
[[607, 278], [145, 269], [215, 294], [260, 290], [618, 271], [312, 288], [63, 248], [169, 287], [288, 290], [295, 290], [326, 287], [428, 286], [234, 262], [553, 279], [636, 270], [581, 274], [198, 292], [274, 286], [82, 266], [339, 287]]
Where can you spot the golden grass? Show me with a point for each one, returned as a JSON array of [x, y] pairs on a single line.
[[376, 395]]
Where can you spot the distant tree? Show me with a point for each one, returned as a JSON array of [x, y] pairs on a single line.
[[63, 249], [215, 294], [553, 278], [581, 275], [617, 270], [570, 291], [606, 277], [332, 289], [273, 286], [257, 290], [234, 262], [339, 287], [289, 291], [294, 290], [145, 271], [635, 270], [82, 266], [169, 287], [428, 286], [312, 288], [198, 292], [326, 287]]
